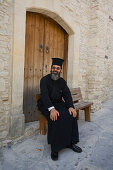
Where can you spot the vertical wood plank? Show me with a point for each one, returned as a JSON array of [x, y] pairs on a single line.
[[26, 67], [33, 64], [38, 60], [30, 67], [46, 44], [65, 55]]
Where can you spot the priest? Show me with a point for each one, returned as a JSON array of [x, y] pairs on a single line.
[[57, 106]]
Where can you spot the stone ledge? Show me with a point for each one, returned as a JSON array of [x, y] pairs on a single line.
[[31, 128], [17, 126]]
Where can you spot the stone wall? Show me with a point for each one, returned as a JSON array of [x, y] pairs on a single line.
[[80, 12], [96, 36], [5, 59], [105, 25], [100, 52]]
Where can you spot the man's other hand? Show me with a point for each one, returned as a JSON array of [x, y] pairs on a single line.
[[53, 114], [72, 111]]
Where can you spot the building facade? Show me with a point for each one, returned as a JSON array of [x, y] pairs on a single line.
[[88, 24]]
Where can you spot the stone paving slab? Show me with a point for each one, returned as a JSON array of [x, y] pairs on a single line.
[[96, 140]]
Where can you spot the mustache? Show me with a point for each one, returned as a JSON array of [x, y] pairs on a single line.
[[55, 72]]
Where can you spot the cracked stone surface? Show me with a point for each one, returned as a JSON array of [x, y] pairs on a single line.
[[96, 140]]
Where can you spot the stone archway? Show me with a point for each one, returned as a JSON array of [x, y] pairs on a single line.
[[52, 9]]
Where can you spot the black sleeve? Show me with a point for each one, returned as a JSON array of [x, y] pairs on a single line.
[[44, 94], [67, 95]]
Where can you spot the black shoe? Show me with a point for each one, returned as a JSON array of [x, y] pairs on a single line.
[[54, 156], [76, 148]]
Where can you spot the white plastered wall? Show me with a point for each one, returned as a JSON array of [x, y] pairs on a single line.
[[53, 9]]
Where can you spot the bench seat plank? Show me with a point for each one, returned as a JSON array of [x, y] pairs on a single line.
[[82, 104]]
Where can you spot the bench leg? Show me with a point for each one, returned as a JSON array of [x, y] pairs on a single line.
[[43, 127], [77, 114], [87, 114]]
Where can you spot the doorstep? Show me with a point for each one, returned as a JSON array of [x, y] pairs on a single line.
[[31, 128]]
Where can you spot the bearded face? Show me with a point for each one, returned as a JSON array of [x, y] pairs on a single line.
[[55, 72]]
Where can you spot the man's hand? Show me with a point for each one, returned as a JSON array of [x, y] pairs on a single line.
[[72, 111], [53, 114]]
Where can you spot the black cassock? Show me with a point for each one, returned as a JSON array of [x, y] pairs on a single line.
[[63, 131]]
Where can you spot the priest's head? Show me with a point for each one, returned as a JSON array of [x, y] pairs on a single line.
[[56, 68]]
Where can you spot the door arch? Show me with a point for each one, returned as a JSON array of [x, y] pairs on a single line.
[[44, 40]]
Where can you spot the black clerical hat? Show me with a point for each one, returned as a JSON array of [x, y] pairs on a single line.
[[57, 61]]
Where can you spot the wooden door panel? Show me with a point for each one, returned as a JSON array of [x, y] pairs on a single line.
[[60, 46], [46, 43], [65, 56], [38, 61], [33, 64], [54, 39], [28, 68], [38, 52]]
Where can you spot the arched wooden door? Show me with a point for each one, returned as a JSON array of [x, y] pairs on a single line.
[[44, 40]]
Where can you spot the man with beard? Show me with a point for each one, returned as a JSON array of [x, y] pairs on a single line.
[[57, 106]]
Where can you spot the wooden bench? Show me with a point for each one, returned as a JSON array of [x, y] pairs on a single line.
[[79, 104]]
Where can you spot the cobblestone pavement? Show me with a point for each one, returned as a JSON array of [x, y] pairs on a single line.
[[96, 140]]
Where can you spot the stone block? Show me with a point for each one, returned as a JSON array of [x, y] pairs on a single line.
[[4, 119], [9, 1], [4, 134], [1, 65], [1, 108], [17, 125], [1, 1], [3, 127], [2, 84]]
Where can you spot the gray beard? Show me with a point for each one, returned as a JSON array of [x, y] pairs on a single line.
[[55, 76]]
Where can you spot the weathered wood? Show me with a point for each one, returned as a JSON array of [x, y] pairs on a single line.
[[87, 113], [76, 94], [42, 119], [82, 104], [43, 124], [77, 114], [54, 40], [79, 104], [65, 56]]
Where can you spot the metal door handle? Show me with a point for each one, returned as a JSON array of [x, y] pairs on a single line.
[[47, 49], [41, 47], [46, 68]]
